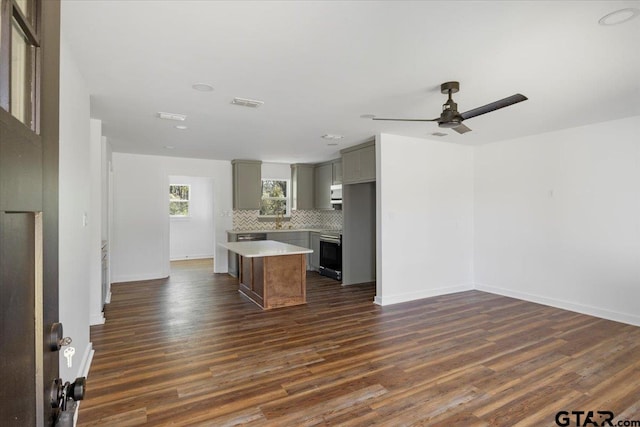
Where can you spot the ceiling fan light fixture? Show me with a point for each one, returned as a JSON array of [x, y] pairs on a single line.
[[450, 124]]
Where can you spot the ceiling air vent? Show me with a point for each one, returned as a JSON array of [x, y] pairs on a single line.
[[252, 103], [331, 136]]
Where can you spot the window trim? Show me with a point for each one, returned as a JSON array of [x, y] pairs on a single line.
[[180, 200], [287, 197], [30, 27]]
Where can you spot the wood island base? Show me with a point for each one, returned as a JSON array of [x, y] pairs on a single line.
[[274, 281]]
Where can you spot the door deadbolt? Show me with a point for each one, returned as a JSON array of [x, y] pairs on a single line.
[[56, 337]]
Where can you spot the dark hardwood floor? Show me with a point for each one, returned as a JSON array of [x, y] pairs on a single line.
[[191, 350]]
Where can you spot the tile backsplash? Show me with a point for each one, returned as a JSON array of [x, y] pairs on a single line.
[[248, 220]]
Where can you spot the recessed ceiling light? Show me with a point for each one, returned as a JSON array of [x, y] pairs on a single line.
[[333, 137], [619, 16], [172, 116], [251, 103], [181, 127], [202, 87]]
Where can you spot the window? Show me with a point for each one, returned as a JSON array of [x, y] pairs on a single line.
[[275, 197], [19, 60], [179, 195]]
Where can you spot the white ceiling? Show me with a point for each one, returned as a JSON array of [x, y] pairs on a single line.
[[319, 66]]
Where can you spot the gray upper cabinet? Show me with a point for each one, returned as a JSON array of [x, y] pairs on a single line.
[[337, 172], [323, 179], [247, 183], [302, 186], [359, 163]]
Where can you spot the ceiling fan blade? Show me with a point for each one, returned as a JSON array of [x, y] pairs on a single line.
[[461, 129], [408, 120], [513, 99]]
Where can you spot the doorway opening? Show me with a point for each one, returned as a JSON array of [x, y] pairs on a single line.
[[189, 270], [191, 222]]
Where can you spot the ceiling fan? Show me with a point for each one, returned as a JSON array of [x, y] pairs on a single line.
[[450, 118]]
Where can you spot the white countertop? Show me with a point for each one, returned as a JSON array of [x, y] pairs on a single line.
[[263, 248]]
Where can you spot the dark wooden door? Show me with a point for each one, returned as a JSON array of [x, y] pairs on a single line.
[[29, 226], [18, 308]]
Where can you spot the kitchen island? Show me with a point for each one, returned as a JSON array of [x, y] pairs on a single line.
[[272, 274]]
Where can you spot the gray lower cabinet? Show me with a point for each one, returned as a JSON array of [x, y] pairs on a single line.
[[232, 258], [247, 184], [359, 164], [298, 238], [323, 179], [314, 261]]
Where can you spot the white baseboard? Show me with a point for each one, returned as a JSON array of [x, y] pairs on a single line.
[[85, 364], [87, 357], [396, 299], [136, 278], [628, 318], [187, 257], [75, 414], [97, 319]]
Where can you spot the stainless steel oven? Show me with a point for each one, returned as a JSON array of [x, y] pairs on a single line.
[[331, 255]]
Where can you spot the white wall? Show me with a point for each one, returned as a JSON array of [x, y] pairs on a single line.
[[193, 237], [140, 246], [76, 245], [106, 207], [558, 219], [276, 171], [424, 218], [95, 223], [105, 168]]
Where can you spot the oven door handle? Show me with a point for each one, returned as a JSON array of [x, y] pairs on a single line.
[[329, 239]]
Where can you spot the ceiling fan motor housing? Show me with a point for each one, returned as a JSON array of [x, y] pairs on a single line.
[[450, 117]]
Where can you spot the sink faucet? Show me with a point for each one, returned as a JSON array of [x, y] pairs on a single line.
[[279, 219]]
